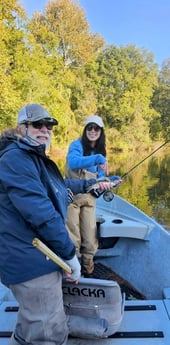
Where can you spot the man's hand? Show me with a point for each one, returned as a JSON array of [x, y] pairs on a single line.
[[103, 185], [76, 270]]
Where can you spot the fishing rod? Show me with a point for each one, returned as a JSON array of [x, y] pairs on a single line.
[[144, 159], [108, 195]]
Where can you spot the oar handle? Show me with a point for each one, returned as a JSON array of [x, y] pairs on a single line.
[[50, 254]]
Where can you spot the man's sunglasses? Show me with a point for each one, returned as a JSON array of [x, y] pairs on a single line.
[[96, 128], [41, 123]]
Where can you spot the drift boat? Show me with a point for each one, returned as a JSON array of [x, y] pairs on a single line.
[[133, 260]]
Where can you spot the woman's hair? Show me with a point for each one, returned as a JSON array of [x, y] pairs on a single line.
[[100, 146]]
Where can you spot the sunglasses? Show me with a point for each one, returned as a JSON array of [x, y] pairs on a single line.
[[41, 123], [96, 128]]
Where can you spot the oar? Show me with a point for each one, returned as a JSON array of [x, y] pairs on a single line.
[[50, 254]]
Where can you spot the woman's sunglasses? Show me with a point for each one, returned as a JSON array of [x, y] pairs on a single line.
[[96, 128], [41, 123]]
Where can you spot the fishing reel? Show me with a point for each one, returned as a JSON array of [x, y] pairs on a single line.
[[108, 195], [96, 191]]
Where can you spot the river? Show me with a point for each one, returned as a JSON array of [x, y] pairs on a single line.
[[148, 185]]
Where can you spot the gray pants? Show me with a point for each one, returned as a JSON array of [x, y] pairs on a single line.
[[41, 317]]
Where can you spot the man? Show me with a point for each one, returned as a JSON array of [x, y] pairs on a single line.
[[33, 203]]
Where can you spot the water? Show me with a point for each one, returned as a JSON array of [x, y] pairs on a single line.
[[147, 186]]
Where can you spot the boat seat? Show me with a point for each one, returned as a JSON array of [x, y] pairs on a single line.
[[94, 307], [122, 227]]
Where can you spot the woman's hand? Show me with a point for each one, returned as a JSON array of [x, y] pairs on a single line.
[[105, 167]]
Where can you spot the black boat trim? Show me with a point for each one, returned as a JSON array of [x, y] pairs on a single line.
[[138, 334]]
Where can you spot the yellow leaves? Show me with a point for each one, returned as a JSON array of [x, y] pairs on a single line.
[[63, 24]]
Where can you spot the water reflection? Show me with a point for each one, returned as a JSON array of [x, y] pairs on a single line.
[[147, 186]]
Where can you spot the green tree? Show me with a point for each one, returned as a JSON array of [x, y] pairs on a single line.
[[68, 32], [60, 38], [161, 102], [11, 35], [54, 59], [126, 77]]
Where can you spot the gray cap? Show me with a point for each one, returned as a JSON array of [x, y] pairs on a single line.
[[95, 119], [34, 112]]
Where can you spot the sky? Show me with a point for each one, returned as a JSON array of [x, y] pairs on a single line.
[[143, 23]]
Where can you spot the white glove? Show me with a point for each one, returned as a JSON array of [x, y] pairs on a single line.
[[76, 268]]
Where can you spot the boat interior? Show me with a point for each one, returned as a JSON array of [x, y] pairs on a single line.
[[129, 242]]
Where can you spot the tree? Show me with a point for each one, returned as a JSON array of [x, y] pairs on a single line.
[[68, 32], [161, 101], [60, 38], [126, 77], [11, 34]]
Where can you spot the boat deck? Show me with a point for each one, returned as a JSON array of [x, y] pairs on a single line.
[[144, 322]]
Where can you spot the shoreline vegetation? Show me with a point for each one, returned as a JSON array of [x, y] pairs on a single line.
[[53, 58], [135, 152]]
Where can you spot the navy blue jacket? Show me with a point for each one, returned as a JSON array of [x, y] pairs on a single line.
[[33, 203]]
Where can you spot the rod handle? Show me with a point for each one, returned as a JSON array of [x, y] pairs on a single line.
[[50, 254]]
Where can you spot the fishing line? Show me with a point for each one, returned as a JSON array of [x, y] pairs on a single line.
[[139, 163], [108, 195]]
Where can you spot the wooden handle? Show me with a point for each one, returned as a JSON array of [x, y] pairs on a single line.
[[50, 254]]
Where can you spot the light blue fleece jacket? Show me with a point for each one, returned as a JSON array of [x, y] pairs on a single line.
[[76, 160]]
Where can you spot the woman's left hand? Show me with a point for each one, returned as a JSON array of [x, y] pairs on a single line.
[[105, 167]]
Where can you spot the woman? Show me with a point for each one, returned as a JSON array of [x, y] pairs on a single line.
[[86, 159]]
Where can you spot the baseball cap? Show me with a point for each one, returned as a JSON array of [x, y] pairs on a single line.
[[34, 112], [95, 119]]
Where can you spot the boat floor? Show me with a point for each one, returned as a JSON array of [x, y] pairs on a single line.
[[144, 322]]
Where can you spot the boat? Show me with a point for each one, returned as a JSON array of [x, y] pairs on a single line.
[[134, 256]]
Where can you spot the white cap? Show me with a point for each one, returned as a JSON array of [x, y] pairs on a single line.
[[34, 112], [95, 119]]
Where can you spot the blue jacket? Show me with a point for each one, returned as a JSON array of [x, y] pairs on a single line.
[[76, 160], [33, 203]]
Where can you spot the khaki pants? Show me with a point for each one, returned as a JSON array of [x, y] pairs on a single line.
[[41, 316], [81, 224]]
